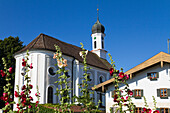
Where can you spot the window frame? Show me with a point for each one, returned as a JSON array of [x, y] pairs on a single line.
[[163, 92], [138, 93], [164, 109], [138, 111], [154, 77]]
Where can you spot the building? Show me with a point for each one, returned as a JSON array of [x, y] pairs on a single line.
[[43, 74], [150, 78]]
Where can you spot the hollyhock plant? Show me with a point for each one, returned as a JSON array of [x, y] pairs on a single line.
[[2, 73], [10, 70], [111, 71], [156, 111]]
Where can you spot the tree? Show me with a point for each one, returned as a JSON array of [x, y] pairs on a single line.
[[8, 47]]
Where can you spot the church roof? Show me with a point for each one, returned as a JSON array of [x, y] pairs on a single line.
[[45, 42]]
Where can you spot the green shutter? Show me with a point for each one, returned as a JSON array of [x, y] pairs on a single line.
[[112, 93], [158, 92], [141, 92], [148, 75], [168, 92], [158, 109], [157, 74], [133, 93]]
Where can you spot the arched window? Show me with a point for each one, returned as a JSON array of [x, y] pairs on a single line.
[[101, 79], [95, 45], [102, 44], [50, 95]]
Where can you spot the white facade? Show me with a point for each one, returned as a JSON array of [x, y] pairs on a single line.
[[149, 87], [42, 60]]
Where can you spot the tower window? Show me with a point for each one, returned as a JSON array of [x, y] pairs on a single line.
[[50, 95], [95, 44], [102, 44]]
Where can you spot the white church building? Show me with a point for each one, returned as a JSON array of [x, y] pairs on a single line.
[[43, 74]]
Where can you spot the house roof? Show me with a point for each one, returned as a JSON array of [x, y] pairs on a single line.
[[158, 58], [45, 42]]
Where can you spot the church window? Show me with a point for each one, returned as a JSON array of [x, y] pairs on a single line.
[[163, 92], [102, 99], [51, 71], [102, 44], [138, 110], [95, 44], [89, 76], [101, 79], [164, 110], [50, 95]]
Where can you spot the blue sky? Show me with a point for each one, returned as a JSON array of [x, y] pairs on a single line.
[[135, 29]]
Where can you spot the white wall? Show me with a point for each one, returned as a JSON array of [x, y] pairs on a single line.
[[140, 81]]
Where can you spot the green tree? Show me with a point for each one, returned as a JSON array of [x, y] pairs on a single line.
[[8, 47]]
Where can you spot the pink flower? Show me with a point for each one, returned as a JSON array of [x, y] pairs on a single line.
[[29, 106], [111, 71], [5, 94], [156, 111], [23, 63], [130, 93], [2, 73], [127, 76], [31, 98], [23, 87], [121, 75], [127, 97], [31, 66], [6, 103], [31, 86], [10, 70], [16, 94], [37, 102]]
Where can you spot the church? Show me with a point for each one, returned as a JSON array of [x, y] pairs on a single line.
[[43, 74]]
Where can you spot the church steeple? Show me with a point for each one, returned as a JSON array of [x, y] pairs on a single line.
[[98, 38]]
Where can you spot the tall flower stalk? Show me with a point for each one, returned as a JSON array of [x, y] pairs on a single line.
[[63, 92], [122, 97], [85, 100], [7, 94], [24, 103]]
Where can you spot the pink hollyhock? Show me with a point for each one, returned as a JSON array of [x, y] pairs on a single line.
[[121, 75], [127, 97], [16, 94], [37, 94], [5, 94], [6, 103], [127, 76], [149, 110], [37, 102], [22, 92], [31, 86], [156, 111], [31, 98], [29, 106], [2, 73], [10, 70], [23, 63], [31, 66], [23, 87], [130, 93], [144, 109], [111, 71]]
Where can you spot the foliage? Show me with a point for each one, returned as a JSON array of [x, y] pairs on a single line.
[[7, 94], [64, 91], [85, 99], [8, 47]]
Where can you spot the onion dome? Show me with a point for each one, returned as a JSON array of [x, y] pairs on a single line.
[[98, 28]]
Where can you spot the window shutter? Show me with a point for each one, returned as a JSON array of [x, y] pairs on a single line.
[[112, 93], [141, 92], [133, 93], [157, 74], [148, 75], [158, 109], [158, 92], [168, 92]]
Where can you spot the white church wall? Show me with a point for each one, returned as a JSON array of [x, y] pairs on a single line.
[[140, 81]]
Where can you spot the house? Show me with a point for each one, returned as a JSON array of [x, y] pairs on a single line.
[[150, 78], [43, 74]]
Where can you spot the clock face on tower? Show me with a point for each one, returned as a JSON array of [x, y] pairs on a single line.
[[94, 37]]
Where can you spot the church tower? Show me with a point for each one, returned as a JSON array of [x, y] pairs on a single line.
[[98, 39]]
